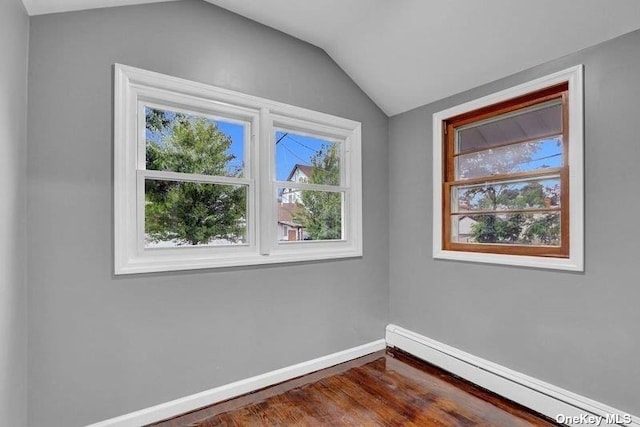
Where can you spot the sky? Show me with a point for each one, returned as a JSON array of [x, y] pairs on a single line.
[[291, 148], [236, 132]]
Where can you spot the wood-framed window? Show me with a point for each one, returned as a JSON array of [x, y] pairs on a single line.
[[508, 167], [201, 175]]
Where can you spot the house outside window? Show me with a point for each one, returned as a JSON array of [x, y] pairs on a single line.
[[291, 207], [508, 180], [206, 177]]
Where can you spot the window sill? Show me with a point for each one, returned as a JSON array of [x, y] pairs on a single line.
[[162, 263], [567, 264]]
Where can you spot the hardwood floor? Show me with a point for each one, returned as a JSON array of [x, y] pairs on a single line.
[[387, 388]]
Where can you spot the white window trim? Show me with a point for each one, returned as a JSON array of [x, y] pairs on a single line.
[[575, 261], [133, 86]]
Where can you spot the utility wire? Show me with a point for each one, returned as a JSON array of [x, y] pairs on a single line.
[[300, 143], [294, 154], [280, 139], [542, 158]]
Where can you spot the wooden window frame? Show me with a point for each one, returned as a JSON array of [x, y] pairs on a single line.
[[565, 86], [558, 92]]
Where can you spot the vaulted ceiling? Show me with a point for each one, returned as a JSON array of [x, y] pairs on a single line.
[[406, 53]]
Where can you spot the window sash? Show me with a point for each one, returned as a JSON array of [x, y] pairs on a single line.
[[484, 115], [538, 248], [227, 114], [143, 175]]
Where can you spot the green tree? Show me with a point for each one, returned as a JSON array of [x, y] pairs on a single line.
[[520, 228], [545, 230], [190, 213], [321, 211]]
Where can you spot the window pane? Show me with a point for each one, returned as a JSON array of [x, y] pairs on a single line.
[[309, 215], [194, 214], [301, 158], [179, 142], [525, 157], [539, 229], [503, 196], [530, 123]]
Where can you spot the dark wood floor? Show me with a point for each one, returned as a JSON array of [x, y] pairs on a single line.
[[387, 388]]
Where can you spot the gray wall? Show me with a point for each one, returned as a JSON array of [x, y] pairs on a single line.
[[101, 346], [577, 331], [14, 36]]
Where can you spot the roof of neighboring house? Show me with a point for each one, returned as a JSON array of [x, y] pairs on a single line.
[[305, 169], [466, 227], [286, 213], [467, 217]]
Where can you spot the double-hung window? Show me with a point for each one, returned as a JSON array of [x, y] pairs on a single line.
[[206, 177], [508, 178]]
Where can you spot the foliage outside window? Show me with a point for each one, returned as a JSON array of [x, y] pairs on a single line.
[[179, 213], [322, 211], [206, 177], [509, 166]]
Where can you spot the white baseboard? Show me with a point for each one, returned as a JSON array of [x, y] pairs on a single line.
[[532, 393], [538, 395], [228, 391]]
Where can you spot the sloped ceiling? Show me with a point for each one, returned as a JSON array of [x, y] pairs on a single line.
[[406, 53]]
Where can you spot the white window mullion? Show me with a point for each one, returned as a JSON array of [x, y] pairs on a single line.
[[252, 150], [267, 204]]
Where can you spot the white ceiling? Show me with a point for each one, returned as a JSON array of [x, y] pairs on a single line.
[[41, 7], [406, 53]]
